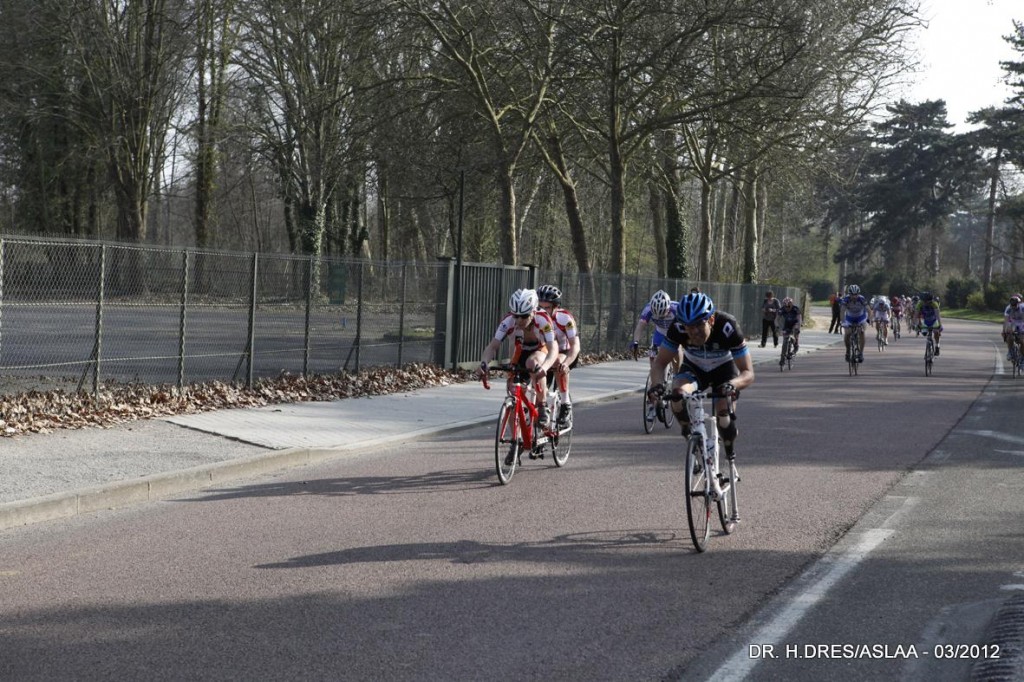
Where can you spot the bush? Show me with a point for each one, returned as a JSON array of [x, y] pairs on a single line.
[[821, 289], [976, 301], [959, 290]]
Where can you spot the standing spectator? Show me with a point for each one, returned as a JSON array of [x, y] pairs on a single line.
[[770, 308], [836, 326]]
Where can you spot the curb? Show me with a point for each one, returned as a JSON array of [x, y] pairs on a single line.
[[1007, 633]]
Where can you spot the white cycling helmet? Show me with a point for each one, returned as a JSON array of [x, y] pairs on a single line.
[[660, 304], [853, 290], [523, 302]]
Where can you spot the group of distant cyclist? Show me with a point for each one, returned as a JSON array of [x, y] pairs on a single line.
[[920, 311], [704, 346]]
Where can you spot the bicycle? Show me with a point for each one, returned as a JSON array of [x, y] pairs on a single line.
[[517, 429], [879, 337], [896, 327], [854, 355], [1016, 355], [661, 411], [787, 354], [705, 484], [929, 351]]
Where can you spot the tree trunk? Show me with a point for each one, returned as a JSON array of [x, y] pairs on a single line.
[[507, 216], [678, 265], [655, 201], [990, 220], [704, 248], [751, 232]]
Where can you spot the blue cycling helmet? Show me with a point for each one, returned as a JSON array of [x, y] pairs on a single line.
[[694, 308]]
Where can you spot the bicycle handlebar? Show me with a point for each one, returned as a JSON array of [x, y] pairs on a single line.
[[519, 372]]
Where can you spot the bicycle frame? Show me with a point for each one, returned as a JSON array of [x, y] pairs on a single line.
[[707, 484]]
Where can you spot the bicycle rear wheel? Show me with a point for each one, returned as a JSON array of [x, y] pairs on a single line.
[[506, 443], [648, 414], [698, 495]]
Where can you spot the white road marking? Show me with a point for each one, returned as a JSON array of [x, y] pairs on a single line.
[[739, 665]]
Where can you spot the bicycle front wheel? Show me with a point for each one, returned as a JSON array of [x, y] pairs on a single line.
[[728, 511], [698, 495], [648, 413], [929, 354], [561, 442], [506, 444]]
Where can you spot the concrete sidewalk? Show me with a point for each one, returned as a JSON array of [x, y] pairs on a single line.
[[65, 473]]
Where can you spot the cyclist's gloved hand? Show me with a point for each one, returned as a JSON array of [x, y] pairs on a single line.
[[655, 392], [635, 347], [481, 371], [727, 391]]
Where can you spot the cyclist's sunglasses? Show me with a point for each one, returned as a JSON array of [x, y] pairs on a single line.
[[521, 317]]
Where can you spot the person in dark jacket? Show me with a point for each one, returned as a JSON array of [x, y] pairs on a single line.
[[836, 325], [770, 309]]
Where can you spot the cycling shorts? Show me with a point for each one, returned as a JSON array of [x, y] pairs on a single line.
[[855, 321], [689, 374], [933, 325]]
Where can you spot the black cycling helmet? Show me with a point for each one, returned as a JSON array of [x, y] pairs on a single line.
[[927, 296], [549, 293], [694, 308]]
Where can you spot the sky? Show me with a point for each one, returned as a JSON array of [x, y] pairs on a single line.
[[960, 52]]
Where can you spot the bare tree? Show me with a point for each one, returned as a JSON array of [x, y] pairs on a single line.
[[502, 55]]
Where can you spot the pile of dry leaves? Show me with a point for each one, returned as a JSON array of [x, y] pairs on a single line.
[[44, 411]]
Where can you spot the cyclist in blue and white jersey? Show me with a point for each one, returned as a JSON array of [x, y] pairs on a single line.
[[855, 317], [715, 354], [1013, 321], [659, 311], [927, 316]]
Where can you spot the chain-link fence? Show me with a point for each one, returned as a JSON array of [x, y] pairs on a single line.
[[74, 314]]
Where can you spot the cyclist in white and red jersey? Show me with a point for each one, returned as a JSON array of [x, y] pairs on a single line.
[[1013, 321], [880, 311], [568, 341], [896, 304], [531, 327]]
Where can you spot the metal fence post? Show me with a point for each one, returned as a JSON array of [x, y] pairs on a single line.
[[401, 315], [252, 321], [309, 305], [98, 346], [1, 293], [181, 319], [359, 313]]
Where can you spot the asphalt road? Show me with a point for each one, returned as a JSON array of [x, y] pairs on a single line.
[[878, 509]]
